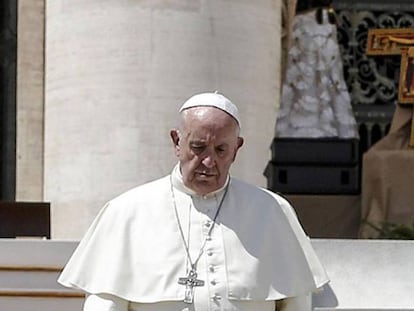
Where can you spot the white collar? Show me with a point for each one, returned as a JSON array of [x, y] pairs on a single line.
[[178, 183]]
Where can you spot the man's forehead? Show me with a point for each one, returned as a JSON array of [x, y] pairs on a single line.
[[197, 139]]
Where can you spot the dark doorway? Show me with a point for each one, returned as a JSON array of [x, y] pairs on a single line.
[[8, 57]]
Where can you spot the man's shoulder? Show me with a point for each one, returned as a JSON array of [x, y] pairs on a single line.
[[246, 189], [247, 192], [150, 190]]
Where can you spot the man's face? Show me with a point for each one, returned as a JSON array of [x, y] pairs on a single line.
[[206, 146]]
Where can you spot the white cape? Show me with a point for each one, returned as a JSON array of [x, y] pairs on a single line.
[[133, 248]]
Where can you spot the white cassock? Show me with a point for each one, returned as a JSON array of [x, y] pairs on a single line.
[[133, 254]]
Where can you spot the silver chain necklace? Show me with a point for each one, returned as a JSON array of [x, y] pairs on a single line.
[[191, 281]]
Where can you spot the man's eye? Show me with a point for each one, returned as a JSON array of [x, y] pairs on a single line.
[[197, 148]]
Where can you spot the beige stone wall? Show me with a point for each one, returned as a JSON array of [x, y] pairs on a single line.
[[116, 73], [29, 110]]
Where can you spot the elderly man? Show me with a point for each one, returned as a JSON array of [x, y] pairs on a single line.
[[197, 239]]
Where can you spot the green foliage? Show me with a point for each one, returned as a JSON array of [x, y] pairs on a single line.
[[394, 231]]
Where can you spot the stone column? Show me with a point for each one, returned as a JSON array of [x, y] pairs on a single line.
[[116, 74], [30, 100]]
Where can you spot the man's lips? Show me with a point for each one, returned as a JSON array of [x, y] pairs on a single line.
[[205, 174]]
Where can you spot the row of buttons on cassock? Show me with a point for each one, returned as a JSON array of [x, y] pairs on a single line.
[[211, 268]]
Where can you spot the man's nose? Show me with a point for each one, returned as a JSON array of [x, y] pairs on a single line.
[[209, 160]]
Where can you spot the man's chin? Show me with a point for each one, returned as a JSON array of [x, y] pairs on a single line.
[[205, 186]]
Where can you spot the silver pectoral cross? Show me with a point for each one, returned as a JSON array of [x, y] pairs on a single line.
[[190, 282]]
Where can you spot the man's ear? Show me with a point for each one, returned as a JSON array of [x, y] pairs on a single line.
[[240, 142], [175, 138]]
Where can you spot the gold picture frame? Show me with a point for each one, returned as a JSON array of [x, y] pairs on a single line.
[[389, 41], [406, 84]]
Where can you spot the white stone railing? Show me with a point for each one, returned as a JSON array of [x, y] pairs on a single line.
[[366, 275]]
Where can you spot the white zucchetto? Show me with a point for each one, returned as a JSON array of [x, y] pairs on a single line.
[[212, 100]]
